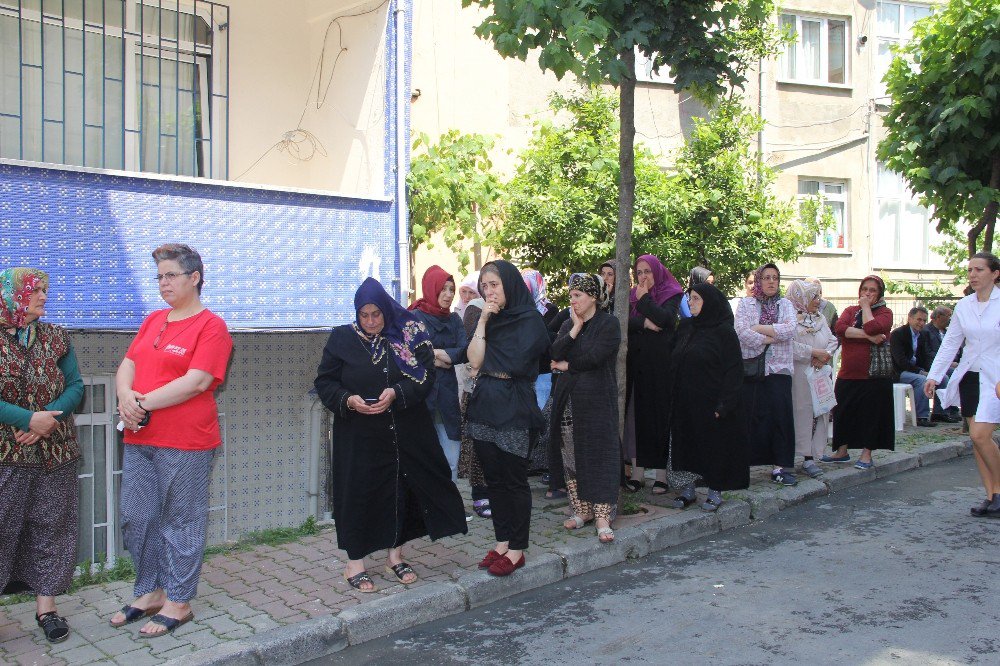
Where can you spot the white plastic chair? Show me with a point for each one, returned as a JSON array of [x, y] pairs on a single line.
[[899, 394]]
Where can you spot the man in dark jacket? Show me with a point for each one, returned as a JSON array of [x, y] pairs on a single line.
[[930, 341], [904, 345]]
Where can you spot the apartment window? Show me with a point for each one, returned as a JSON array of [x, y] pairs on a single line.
[[833, 215], [904, 233], [140, 85], [894, 24], [818, 51], [644, 70]]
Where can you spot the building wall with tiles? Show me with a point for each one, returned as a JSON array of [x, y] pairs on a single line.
[[263, 477]]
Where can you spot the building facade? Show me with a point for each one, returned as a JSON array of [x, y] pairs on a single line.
[[272, 137], [822, 98]]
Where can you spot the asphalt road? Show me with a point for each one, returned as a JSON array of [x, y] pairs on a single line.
[[891, 572]]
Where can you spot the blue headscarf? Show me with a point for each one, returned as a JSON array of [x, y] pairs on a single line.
[[401, 330]]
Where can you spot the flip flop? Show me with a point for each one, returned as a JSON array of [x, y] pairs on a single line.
[[660, 488], [169, 623], [634, 485], [133, 614]]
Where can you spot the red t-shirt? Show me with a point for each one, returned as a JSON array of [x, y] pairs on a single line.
[[200, 342]]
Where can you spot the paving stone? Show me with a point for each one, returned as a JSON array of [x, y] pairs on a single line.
[[120, 644], [260, 623], [140, 657], [182, 653], [40, 658], [222, 624], [83, 654], [205, 638]]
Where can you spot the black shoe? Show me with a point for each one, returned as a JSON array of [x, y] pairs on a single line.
[[945, 418], [926, 423]]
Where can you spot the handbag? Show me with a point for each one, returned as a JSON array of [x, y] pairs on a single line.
[[754, 368], [880, 363]]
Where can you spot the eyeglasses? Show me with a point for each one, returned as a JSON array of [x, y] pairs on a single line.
[[170, 277], [156, 342]]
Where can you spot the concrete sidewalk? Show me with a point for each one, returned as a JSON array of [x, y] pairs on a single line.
[[290, 603]]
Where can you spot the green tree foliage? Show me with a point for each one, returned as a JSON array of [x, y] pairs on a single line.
[[452, 190], [723, 214], [715, 211], [944, 118], [562, 203]]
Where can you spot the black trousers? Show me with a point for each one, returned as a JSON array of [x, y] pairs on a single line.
[[510, 496]]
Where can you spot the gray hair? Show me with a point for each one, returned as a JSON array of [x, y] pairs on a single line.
[[185, 255], [941, 311]]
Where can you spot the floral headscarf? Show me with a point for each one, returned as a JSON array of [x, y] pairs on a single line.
[[768, 305], [592, 285], [16, 287], [801, 293], [403, 333], [535, 283]]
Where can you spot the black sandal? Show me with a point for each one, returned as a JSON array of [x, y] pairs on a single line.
[[356, 580], [633, 485], [661, 487], [133, 614], [682, 502], [401, 570], [54, 625]]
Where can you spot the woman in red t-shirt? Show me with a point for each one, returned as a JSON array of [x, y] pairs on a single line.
[[863, 417], [166, 399]]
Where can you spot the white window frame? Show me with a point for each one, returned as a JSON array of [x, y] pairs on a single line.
[[644, 71], [901, 36], [827, 190], [136, 44], [900, 259], [106, 418], [824, 51]]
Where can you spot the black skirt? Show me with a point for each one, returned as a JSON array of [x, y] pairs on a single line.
[[863, 417], [968, 393], [770, 423]]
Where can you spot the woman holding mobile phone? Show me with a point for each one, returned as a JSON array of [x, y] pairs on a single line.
[[391, 480]]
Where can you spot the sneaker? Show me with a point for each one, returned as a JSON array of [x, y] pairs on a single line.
[[784, 477], [846, 458], [812, 469], [482, 508]]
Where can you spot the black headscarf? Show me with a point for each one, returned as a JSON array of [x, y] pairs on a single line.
[[715, 310], [698, 275], [505, 330]]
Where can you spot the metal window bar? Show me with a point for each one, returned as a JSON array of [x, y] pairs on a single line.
[[105, 122]]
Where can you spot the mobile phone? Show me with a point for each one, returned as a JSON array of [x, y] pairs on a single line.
[[371, 401]]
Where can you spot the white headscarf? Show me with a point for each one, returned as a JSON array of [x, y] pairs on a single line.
[[472, 282], [801, 293]]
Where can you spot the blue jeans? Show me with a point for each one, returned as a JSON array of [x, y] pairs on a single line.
[[451, 447], [920, 401], [543, 387]]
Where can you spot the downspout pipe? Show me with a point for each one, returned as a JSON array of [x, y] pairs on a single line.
[[402, 149], [316, 440]]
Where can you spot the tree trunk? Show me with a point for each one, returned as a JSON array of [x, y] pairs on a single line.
[[987, 223], [626, 210]]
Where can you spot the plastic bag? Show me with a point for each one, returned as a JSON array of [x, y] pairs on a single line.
[[821, 389]]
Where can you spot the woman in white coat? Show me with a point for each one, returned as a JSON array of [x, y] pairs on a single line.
[[976, 322], [813, 347]]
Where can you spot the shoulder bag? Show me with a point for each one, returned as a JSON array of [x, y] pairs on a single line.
[[754, 368]]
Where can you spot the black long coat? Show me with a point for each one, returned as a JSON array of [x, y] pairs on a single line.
[[707, 378], [592, 386], [449, 335], [391, 481], [647, 366]]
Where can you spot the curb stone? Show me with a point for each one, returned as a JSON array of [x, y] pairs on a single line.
[[296, 643], [388, 615]]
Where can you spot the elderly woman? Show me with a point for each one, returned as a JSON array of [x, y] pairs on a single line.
[[585, 406], [974, 384], [863, 416], [765, 324], [707, 428], [166, 399], [812, 347], [826, 308], [468, 291], [448, 337], [698, 275], [40, 386], [652, 318], [391, 481], [503, 414]]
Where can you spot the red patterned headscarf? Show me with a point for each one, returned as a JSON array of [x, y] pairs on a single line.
[[16, 287]]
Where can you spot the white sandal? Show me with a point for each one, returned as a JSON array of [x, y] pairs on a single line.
[[578, 522], [605, 532]]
